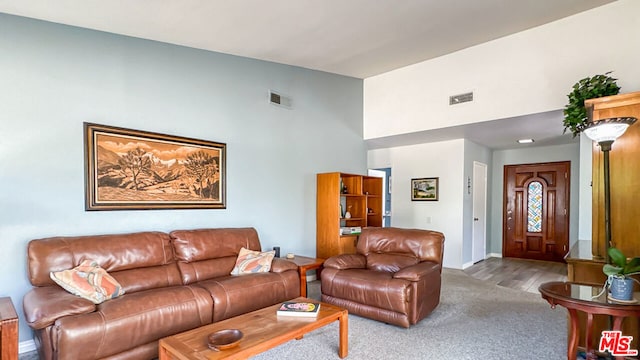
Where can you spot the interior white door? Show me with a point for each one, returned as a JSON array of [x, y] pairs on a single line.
[[479, 243]]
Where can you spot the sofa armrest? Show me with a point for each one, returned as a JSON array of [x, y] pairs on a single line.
[[346, 261], [281, 265], [417, 271], [44, 305]]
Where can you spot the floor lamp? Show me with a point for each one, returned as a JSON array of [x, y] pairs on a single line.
[[605, 132]]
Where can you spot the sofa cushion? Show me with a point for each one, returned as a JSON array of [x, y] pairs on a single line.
[[281, 265], [43, 305], [89, 281], [389, 262], [374, 288], [346, 261], [235, 295], [209, 253], [425, 245], [251, 262], [127, 257], [132, 320], [204, 244]]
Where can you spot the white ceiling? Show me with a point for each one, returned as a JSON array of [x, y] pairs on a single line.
[[358, 38]]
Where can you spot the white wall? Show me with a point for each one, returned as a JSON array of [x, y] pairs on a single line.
[[525, 73], [532, 155], [55, 77], [585, 197], [444, 160]]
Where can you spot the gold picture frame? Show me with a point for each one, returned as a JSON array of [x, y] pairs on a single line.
[[424, 189], [138, 170]]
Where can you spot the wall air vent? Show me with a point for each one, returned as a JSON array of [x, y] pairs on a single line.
[[279, 99], [459, 99]]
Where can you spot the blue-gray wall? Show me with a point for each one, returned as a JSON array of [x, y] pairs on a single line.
[[54, 77]]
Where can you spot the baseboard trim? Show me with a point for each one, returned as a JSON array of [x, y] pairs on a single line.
[[26, 346], [494, 255], [466, 265]]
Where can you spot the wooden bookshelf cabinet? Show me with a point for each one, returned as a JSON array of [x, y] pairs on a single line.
[[338, 193]]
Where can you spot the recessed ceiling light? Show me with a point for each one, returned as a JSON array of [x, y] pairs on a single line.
[[525, 141]]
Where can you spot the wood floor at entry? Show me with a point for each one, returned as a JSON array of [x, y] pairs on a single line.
[[536, 211]]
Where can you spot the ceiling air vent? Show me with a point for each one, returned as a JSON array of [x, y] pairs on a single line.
[[279, 99], [459, 99]]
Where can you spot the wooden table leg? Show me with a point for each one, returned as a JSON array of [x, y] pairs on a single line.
[[588, 336], [303, 282], [617, 326], [163, 354], [343, 350], [572, 350], [617, 323]]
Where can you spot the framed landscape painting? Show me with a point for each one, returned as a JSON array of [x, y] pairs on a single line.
[[133, 170], [424, 189]]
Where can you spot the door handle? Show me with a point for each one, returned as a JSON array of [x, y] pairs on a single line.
[[475, 219]]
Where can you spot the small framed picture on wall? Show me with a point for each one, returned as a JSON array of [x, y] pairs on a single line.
[[424, 189]]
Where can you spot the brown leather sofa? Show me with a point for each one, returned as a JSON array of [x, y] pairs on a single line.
[[173, 282], [394, 277]]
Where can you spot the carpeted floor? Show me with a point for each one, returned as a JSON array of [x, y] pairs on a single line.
[[475, 320]]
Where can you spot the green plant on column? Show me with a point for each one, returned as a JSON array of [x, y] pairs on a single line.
[[619, 274], [575, 114]]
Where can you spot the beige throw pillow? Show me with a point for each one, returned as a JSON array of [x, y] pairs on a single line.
[[250, 262], [89, 281]]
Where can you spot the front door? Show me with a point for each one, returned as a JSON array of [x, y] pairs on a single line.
[[536, 211]]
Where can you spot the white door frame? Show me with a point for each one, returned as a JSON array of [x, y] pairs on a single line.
[[479, 220]]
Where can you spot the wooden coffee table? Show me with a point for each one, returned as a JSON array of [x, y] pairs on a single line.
[[262, 329]]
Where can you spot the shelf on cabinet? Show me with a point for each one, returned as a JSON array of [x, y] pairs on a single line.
[[363, 193]]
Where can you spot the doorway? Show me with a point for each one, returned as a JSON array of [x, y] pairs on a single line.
[[479, 243], [536, 211]]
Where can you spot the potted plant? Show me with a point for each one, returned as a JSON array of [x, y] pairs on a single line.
[[619, 272], [575, 114]]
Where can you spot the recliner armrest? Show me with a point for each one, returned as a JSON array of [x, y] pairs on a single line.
[[44, 305], [417, 271], [346, 261], [281, 265]]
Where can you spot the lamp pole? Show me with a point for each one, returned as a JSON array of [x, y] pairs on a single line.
[[605, 146]]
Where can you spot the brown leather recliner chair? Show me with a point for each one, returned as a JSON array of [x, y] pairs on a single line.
[[394, 277]]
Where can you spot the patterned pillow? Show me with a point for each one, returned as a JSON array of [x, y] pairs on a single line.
[[89, 281], [250, 262]]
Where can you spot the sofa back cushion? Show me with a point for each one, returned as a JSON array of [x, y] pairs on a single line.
[[424, 245], [138, 261], [209, 253]]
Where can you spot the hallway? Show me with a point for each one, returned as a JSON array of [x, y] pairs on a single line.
[[520, 274]]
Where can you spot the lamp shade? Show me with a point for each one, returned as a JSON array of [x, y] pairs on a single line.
[[608, 129]]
